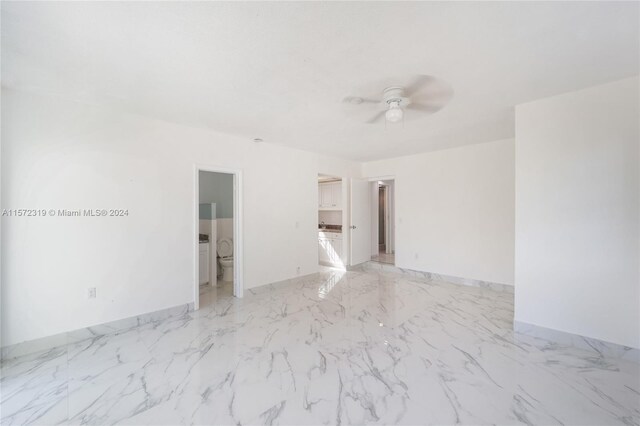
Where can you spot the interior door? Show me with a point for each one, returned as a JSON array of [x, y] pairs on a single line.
[[360, 224]]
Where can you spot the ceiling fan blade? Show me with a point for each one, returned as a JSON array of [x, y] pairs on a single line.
[[418, 83], [439, 95], [357, 100], [376, 117], [425, 108]]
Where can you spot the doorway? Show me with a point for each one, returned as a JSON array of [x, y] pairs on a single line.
[[218, 236], [383, 221], [331, 242], [382, 218]]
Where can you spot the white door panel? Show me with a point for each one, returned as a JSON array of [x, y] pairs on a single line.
[[360, 224]]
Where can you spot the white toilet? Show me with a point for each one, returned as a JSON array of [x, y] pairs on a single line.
[[225, 258]]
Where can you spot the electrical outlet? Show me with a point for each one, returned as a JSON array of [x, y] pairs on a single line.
[[416, 256], [297, 224], [92, 292], [298, 270]]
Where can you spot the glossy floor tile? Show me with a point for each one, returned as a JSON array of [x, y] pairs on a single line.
[[333, 348], [383, 257], [209, 294]]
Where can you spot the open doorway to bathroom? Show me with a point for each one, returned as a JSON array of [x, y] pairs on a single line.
[[331, 244], [218, 260], [383, 221]]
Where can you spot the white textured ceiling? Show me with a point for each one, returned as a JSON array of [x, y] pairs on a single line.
[[280, 70]]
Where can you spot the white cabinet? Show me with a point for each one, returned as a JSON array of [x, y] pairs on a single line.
[[330, 196], [323, 250], [335, 251], [330, 248], [203, 263], [324, 191]]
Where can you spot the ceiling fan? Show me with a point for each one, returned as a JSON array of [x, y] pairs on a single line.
[[424, 95]]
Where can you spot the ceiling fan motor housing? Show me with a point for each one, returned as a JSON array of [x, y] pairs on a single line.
[[394, 94]]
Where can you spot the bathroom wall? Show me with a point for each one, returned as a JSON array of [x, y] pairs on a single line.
[[217, 188], [225, 228], [207, 211], [330, 217], [206, 225]]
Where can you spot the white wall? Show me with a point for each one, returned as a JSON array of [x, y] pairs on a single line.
[[455, 210], [59, 154], [577, 213]]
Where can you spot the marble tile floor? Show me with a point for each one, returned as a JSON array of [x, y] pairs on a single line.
[[330, 348], [383, 257], [209, 295]]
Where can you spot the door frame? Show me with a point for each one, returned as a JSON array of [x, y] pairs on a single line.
[[387, 229], [238, 253], [385, 215], [387, 219]]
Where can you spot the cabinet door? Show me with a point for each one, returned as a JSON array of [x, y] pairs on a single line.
[[336, 251], [336, 195], [330, 252], [326, 195], [330, 196], [323, 250], [320, 251]]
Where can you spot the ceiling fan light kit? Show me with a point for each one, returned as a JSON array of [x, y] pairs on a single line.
[[394, 113], [395, 102]]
